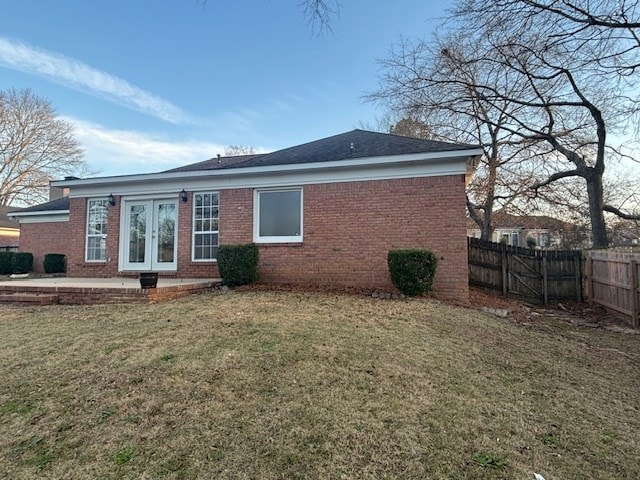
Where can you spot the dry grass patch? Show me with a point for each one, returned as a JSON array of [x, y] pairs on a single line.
[[293, 385]]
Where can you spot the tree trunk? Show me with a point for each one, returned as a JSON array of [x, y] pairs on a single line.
[[486, 231], [596, 212]]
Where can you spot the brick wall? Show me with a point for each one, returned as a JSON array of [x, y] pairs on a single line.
[[348, 230], [186, 267], [76, 265], [43, 238]]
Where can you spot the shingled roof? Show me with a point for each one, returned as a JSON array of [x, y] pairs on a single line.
[[345, 146], [58, 204], [5, 219]]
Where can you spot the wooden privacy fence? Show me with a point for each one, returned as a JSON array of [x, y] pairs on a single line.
[[535, 276], [611, 280]]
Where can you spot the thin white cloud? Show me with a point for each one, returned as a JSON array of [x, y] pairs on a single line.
[[120, 152], [115, 152], [73, 73]]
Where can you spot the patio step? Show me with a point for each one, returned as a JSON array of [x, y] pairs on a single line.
[[24, 298]]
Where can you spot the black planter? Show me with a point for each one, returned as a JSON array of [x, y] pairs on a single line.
[[148, 279]]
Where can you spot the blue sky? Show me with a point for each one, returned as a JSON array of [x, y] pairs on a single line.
[[154, 84]]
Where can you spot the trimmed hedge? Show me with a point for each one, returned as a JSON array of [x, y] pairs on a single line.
[[6, 259], [53, 263], [22, 262], [412, 270], [238, 264]]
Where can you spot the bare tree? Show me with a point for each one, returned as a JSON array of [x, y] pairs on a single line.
[[35, 146], [235, 150], [411, 127], [437, 86], [319, 14], [578, 61]]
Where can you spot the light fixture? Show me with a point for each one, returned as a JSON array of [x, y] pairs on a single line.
[[111, 199], [183, 195]]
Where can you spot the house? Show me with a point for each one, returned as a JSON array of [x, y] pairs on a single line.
[[539, 231], [9, 230], [323, 213], [624, 233]]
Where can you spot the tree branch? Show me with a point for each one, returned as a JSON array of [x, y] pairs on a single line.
[[619, 213]]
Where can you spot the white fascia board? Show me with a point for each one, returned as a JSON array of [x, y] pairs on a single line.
[[249, 171], [329, 172], [43, 217]]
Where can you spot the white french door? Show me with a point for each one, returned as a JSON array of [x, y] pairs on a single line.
[[149, 236]]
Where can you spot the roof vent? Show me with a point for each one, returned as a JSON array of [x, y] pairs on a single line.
[[352, 148]]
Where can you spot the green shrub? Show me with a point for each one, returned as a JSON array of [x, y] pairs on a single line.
[[6, 266], [531, 242], [22, 262], [238, 264], [412, 271], [53, 263]]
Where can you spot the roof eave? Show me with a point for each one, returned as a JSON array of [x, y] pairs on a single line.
[[296, 167], [39, 213]]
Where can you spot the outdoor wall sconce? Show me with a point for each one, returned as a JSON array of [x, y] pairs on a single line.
[[183, 195], [111, 199]]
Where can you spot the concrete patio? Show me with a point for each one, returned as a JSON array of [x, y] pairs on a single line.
[[85, 291]]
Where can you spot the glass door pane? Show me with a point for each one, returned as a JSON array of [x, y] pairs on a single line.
[[149, 235], [165, 233], [137, 248]]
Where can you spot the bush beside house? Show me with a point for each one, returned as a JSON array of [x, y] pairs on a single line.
[[53, 263], [238, 264], [412, 271], [22, 262], [6, 259]]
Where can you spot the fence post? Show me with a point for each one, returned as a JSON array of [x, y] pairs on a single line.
[[545, 281], [505, 279], [588, 266], [577, 265], [633, 265]]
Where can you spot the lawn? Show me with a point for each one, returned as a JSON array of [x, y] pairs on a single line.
[[304, 385]]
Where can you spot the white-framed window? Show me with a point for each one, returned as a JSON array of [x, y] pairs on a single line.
[[543, 240], [515, 239], [277, 215], [206, 208], [97, 214]]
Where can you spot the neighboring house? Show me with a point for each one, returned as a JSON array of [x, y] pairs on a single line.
[[9, 230], [624, 233], [323, 213], [515, 230]]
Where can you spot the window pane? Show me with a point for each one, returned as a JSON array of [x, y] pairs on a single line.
[[280, 214], [166, 232], [96, 248], [205, 244], [96, 230]]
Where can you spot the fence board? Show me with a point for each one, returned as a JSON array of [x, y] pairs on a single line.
[[613, 282], [536, 276]]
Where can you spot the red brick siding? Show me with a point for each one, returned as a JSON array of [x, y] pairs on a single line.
[[76, 264], [43, 238], [348, 230], [186, 267]]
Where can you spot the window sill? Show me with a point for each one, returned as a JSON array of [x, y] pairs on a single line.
[[279, 244]]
